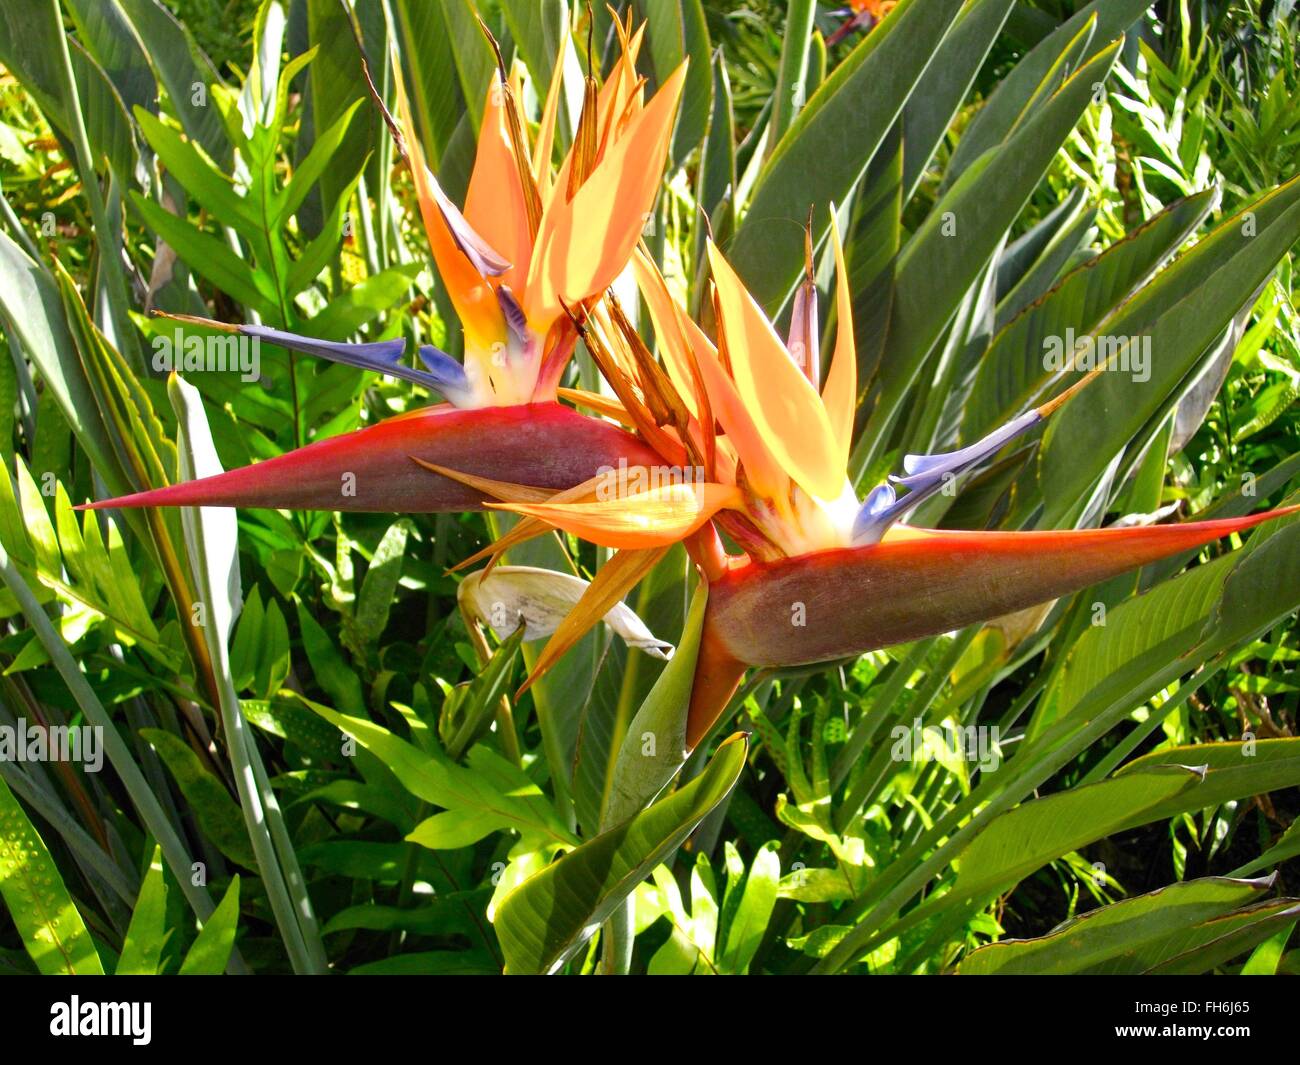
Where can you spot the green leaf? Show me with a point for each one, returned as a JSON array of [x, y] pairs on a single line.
[[364, 302], [476, 702], [328, 667], [793, 68], [210, 258], [1175, 319], [654, 748], [1225, 938], [944, 86], [184, 70], [547, 918], [827, 148], [1153, 788], [676, 31], [30, 48], [953, 246], [429, 75], [379, 588], [37, 899], [745, 931], [314, 164], [206, 797], [29, 303], [1017, 94], [1125, 937], [210, 952], [1012, 373], [201, 179], [473, 807], [148, 934]]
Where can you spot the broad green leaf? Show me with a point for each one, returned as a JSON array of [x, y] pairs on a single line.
[[29, 302], [952, 247], [379, 588], [205, 796], [1265, 958], [210, 952], [827, 148], [184, 70], [328, 666], [429, 75], [1219, 941], [1012, 371], [792, 72], [210, 258], [30, 32], [37, 899], [148, 934], [315, 164], [1153, 788], [107, 37], [1013, 99], [473, 807], [201, 179], [476, 702], [338, 88], [363, 303], [1128, 936], [947, 81], [548, 918], [676, 30], [654, 747], [623, 681], [1174, 320], [745, 931]]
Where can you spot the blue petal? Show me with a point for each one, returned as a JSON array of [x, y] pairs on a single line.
[[875, 516], [926, 474], [922, 469], [448, 375], [382, 356], [516, 320]]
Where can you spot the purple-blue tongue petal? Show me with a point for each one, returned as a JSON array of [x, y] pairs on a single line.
[[926, 474], [448, 375], [921, 469], [873, 519], [382, 356], [516, 320]]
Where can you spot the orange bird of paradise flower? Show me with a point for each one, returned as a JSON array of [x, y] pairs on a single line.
[[530, 253], [772, 441]]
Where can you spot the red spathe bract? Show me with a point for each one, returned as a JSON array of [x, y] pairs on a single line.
[[374, 469], [847, 601]]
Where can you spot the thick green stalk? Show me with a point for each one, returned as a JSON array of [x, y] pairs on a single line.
[[791, 79]]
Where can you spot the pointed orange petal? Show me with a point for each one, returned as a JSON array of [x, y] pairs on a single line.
[[762, 471], [586, 242], [613, 580], [507, 490], [475, 303], [494, 205], [606, 405], [839, 395], [546, 131], [659, 516], [785, 407]]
